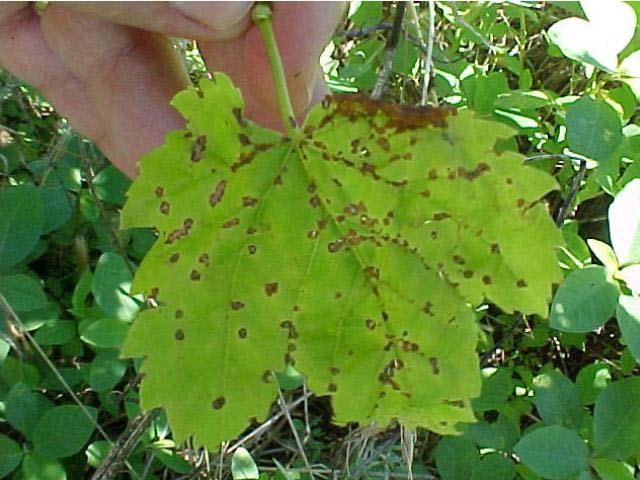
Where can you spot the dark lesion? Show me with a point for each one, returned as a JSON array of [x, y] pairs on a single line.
[[398, 117]]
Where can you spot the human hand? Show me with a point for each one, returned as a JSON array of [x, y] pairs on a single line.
[[111, 69]]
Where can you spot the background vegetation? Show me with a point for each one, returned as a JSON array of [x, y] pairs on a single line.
[[560, 397]]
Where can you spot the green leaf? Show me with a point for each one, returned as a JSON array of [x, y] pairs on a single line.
[[23, 408], [624, 223], [494, 466], [56, 332], [23, 292], [58, 203], [591, 381], [456, 458], [111, 284], [553, 452], [111, 185], [37, 467], [496, 388], [290, 378], [487, 90], [10, 455], [593, 128], [499, 435], [347, 251], [584, 301], [611, 470], [604, 253], [105, 333], [17, 371], [97, 452], [63, 431], [242, 465], [173, 461], [557, 400], [21, 223], [106, 370], [628, 315], [616, 420], [598, 41]]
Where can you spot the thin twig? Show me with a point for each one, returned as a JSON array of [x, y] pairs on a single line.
[[426, 48], [126, 442], [565, 207], [390, 48], [266, 425], [392, 440], [488, 355], [287, 413], [407, 442]]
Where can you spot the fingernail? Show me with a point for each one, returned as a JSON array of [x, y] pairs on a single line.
[[216, 15]]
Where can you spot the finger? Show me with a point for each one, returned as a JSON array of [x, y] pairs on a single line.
[[302, 29], [129, 76], [24, 52], [197, 20]]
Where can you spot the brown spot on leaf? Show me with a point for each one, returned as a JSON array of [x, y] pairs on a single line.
[[249, 201], [509, 180], [204, 259], [399, 117], [383, 143], [178, 314], [242, 333], [520, 202], [165, 207], [237, 113], [433, 174], [271, 288], [252, 249], [194, 275], [332, 387], [428, 309], [314, 201], [218, 193], [495, 248], [467, 274], [312, 234], [370, 324], [198, 148], [440, 216], [458, 259], [433, 362], [218, 403], [179, 334], [231, 223], [159, 191], [243, 139], [174, 257], [372, 272], [334, 370], [333, 247], [236, 305], [521, 283], [486, 279]]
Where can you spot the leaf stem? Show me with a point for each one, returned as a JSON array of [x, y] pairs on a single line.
[[261, 16]]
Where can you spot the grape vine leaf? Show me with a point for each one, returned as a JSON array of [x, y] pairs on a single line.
[[356, 251]]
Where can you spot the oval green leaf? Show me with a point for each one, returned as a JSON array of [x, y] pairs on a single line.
[[63, 431], [616, 420], [585, 301], [21, 223], [553, 452], [10, 455]]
